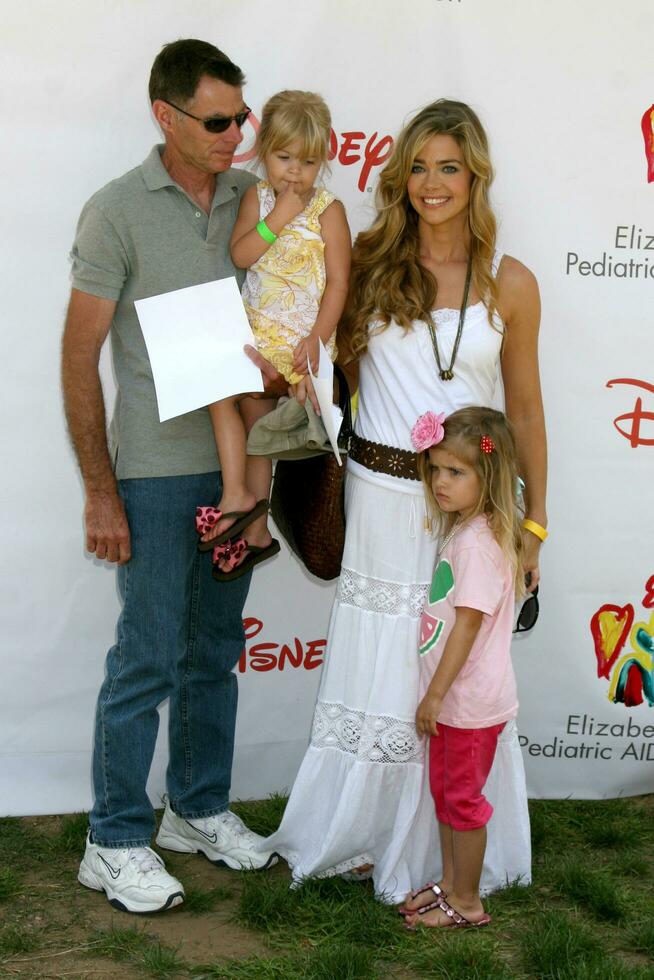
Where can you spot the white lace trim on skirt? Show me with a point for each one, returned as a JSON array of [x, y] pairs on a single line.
[[371, 738], [379, 596]]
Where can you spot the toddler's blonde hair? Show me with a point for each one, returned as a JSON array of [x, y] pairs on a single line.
[[294, 115]]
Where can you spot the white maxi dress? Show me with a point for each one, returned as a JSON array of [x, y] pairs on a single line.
[[362, 794]]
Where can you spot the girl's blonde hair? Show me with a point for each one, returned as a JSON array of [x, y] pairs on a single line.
[[498, 477], [387, 280], [293, 115]]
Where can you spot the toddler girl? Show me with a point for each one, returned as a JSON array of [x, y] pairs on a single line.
[[468, 466], [294, 239]]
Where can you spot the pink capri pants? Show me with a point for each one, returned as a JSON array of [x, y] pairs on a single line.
[[460, 760]]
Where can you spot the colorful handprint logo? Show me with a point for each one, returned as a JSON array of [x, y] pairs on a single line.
[[647, 124], [631, 674]]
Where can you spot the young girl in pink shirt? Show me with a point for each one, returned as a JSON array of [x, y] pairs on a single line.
[[468, 465]]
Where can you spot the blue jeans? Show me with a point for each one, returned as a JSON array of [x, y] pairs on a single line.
[[179, 636]]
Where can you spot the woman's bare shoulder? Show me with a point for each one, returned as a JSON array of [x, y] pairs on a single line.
[[513, 276], [519, 296]]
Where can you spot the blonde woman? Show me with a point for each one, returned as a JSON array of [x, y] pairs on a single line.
[[439, 320]]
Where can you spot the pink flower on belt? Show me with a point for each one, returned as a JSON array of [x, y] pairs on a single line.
[[428, 431]]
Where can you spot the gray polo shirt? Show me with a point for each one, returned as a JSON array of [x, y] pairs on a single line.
[[139, 236]]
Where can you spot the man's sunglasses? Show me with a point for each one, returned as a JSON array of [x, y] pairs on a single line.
[[215, 124], [528, 614]]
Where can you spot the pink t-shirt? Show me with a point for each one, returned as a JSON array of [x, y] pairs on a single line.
[[472, 571]]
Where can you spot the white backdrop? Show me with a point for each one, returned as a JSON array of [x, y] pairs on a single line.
[[562, 89]]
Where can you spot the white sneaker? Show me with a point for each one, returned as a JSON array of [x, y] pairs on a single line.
[[134, 879], [223, 838]]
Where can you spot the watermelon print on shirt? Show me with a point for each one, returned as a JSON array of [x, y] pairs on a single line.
[[431, 626]]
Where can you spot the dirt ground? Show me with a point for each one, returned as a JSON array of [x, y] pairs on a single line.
[[60, 917]]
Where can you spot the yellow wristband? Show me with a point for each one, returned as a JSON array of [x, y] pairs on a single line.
[[535, 528]]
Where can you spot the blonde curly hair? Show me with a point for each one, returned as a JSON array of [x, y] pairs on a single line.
[[387, 281]]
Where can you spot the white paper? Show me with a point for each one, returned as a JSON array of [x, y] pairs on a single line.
[[195, 338], [323, 385]]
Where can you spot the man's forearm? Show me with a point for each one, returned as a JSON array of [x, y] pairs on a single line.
[[86, 328], [85, 414]]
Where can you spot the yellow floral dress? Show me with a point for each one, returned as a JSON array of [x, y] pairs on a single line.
[[283, 290]]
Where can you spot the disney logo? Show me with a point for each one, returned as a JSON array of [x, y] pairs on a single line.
[[633, 420], [276, 656]]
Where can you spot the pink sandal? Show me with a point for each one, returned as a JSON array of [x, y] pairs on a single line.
[[208, 517], [457, 921], [431, 886], [232, 551]]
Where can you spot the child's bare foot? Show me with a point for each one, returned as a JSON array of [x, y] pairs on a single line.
[[362, 873], [232, 504], [455, 912], [233, 559], [236, 510], [424, 896], [259, 540]]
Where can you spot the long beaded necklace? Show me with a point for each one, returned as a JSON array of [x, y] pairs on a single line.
[[446, 374]]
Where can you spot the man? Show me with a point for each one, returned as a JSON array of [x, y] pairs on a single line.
[[162, 226]]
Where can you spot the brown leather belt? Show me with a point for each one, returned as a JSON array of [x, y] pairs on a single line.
[[384, 459]]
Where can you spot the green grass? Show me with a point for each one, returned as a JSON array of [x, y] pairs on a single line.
[[262, 816], [594, 889], [514, 898], [556, 944], [139, 948], [17, 939], [14, 834], [631, 864], [162, 961], [640, 936], [616, 824], [571, 922], [321, 911], [71, 837], [344, 962], [551, 823], [119, 943], [270, 968], [200, 901], [455, 955], [588, 915], [9, 885], [605, 970]]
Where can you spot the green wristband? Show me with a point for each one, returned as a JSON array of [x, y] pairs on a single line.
[[265, 232]]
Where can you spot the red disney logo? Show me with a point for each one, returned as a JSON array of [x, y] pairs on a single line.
[[275, 656], [632, 431], [647, 125], [348, 148], [375, 152]]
